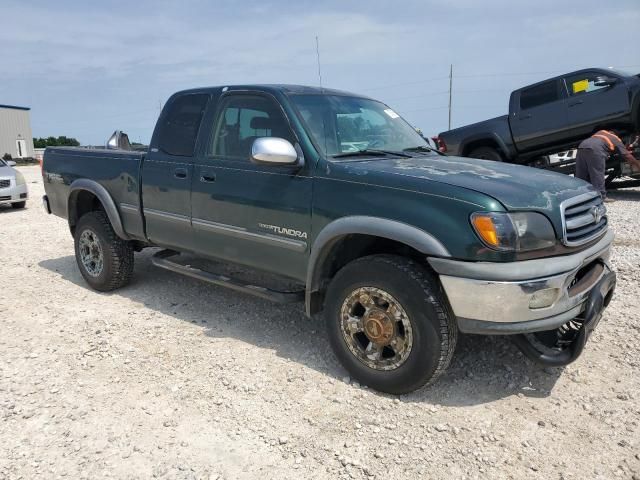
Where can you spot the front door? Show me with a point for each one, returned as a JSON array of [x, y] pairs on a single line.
[[167, 172], [256, 215], [540, 118], [591, 105]]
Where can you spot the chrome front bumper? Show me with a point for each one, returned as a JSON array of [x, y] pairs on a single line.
[[497, 298]]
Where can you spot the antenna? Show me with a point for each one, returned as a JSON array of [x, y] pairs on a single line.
[[450, 88], [318, 57]]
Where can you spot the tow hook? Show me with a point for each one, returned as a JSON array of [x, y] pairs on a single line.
[[559, 347]]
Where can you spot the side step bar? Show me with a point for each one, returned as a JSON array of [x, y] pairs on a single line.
[[160, 259]]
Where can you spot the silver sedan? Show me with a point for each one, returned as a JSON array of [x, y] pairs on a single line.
[[13, 188]]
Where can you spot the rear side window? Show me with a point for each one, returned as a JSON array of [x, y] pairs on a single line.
[[180, 124], [539, 95]]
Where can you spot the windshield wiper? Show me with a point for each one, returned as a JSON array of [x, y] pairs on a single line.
[[368, 152], [422, 148]]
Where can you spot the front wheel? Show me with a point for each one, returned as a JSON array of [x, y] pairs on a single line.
[[104, 259], [389, 323]]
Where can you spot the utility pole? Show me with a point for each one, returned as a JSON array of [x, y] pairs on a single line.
[[450, 88], [318, 58]]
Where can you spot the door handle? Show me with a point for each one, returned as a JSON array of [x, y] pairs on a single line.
[[524, 117], [577, 102], [180, 173], [208, 178]]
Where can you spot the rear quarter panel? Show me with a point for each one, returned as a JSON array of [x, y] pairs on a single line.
[[460, 141], [117, 171]]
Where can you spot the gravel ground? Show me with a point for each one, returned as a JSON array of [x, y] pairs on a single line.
[[173, 378]]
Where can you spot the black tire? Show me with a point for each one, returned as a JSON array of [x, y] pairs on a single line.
[[116, 254], [486, 153], [420, 294], [17, 205]]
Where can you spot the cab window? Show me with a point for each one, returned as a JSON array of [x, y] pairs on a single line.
[[180, 124], [242, 119], [542, 94], [582, 84]]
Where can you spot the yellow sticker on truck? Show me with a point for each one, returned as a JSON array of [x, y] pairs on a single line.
[[580, 86]]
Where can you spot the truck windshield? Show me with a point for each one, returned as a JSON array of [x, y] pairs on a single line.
[[340, 124]]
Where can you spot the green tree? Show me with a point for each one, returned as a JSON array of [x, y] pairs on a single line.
[[61, 141]]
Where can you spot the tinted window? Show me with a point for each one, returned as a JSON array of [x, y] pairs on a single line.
[[585, 83], [180, 124], [539, 95], [241, 120]]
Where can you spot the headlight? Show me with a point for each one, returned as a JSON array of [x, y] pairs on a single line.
[[19, 179], [515, 232]]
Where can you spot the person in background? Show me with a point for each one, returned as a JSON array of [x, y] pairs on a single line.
[[592, 158]]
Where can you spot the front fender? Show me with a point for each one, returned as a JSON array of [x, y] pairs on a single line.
[[414, 237], [105, 199]]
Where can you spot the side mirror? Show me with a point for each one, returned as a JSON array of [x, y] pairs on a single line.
[[273, 151], [604, 81], [11, 163]]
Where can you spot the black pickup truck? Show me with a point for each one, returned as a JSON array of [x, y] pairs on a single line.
[[399, 246], [551, 116]]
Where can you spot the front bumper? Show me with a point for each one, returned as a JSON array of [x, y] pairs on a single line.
[[497, 298], [14, 193]]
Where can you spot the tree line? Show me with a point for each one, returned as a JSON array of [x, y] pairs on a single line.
[[61, 141]]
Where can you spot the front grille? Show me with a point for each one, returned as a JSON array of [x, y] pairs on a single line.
[[5, 183], [8, 197], [584, 218]]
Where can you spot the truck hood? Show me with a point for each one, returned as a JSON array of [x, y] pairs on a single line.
[[516, 187]]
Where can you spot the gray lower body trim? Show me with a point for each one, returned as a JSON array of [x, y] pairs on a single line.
[[469, 325], [129, 208], [242, 233], [170, 217], [524, 270]]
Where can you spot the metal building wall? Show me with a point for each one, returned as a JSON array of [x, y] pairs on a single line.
[[15, 124]]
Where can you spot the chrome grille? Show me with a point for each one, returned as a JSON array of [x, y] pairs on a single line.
[[584, 218], [4, 183]]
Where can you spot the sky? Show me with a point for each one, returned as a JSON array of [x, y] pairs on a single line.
[[89, 68]]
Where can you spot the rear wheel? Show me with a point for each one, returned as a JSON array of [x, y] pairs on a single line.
[[487, 153], [104, 259], [389, 323], [18, 205]]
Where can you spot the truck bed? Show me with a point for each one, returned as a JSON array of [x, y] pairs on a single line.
[[116, 170]]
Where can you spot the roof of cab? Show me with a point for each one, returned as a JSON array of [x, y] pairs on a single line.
[[270, 88]]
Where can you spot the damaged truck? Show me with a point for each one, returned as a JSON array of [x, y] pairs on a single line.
[[395, 245]]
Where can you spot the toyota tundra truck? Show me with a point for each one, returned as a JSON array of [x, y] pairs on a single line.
[[397, 246]]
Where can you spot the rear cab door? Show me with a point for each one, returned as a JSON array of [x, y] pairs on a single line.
[[538, 115], [168, 169], [591, 105], [252, 214]]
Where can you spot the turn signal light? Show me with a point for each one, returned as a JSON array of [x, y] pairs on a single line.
[[486, 229]]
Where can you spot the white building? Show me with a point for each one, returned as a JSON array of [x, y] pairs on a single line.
[[15, 132]]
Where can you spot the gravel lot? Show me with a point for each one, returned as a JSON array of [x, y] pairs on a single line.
[[173, 378]]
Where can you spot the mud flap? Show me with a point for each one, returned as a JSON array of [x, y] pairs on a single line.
[[555, 348]]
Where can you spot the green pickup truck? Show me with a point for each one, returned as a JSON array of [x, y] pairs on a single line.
[[398, 246]]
